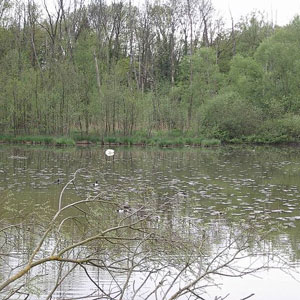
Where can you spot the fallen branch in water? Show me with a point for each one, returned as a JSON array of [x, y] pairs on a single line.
[[248, 296]]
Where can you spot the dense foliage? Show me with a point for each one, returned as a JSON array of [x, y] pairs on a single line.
[[115, 68]]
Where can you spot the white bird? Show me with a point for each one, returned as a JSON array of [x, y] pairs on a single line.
[[110, 152]]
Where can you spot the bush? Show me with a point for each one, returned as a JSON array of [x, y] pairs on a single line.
[[7, 138], [165, 143], [282, 130], [64, 141], [175, 133], [93, 138], [210, 142], [126, 140], [110, 140], [228, 116]]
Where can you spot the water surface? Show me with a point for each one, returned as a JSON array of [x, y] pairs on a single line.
[[221, 187]]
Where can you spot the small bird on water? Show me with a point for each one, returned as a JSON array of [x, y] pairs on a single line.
[[124, 208], [109, 152]]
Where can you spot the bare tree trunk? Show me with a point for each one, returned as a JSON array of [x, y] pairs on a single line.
[[97, 73]]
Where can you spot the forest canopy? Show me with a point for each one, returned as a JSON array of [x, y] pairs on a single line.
[[115, 68]]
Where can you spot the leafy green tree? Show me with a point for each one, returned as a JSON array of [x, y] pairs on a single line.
[[85, 76], [280, 58], [246, 78], [207, 79]]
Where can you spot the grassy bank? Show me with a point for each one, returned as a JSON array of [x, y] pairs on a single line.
[[263, 139], [161, 141], [158, 139], [37, 140]]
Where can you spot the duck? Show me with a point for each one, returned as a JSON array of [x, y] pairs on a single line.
[[124, 208], [57, 181], [96, 183]]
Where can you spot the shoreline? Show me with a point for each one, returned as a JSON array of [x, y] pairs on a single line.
[[161, 141]]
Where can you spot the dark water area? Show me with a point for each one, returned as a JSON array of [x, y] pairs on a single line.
[[221, 187]]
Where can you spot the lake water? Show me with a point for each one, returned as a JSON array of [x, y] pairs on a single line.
[[220, 187]]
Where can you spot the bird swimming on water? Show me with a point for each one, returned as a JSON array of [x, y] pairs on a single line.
[[124, 208], [109, 152], [96, 183]]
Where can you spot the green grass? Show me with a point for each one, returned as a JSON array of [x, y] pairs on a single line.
[[39, 139], [64, 141], [93, 138], [165, 143], [160, 139], [210, 142], [28, 139], [6, 138], [126, 140], [263, 139], [142, 141], [110, 140]]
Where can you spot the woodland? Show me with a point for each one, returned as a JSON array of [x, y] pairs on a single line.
[[117, 68]]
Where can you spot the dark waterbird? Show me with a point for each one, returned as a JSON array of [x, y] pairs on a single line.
[[124, 208], [96, 183]]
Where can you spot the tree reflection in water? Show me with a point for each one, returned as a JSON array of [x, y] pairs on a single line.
[[141, 253]]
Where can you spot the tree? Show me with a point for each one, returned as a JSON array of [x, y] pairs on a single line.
[[5, 5], [280, 60], [251, 31], [207, 80], [246, 78]]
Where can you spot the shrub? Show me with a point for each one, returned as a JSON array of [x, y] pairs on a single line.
[[210, 142], [175, 133], [197, 141], [110, 140], [228, 116], [281, 130], [64, 141], [165, 143], [7, 138]]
